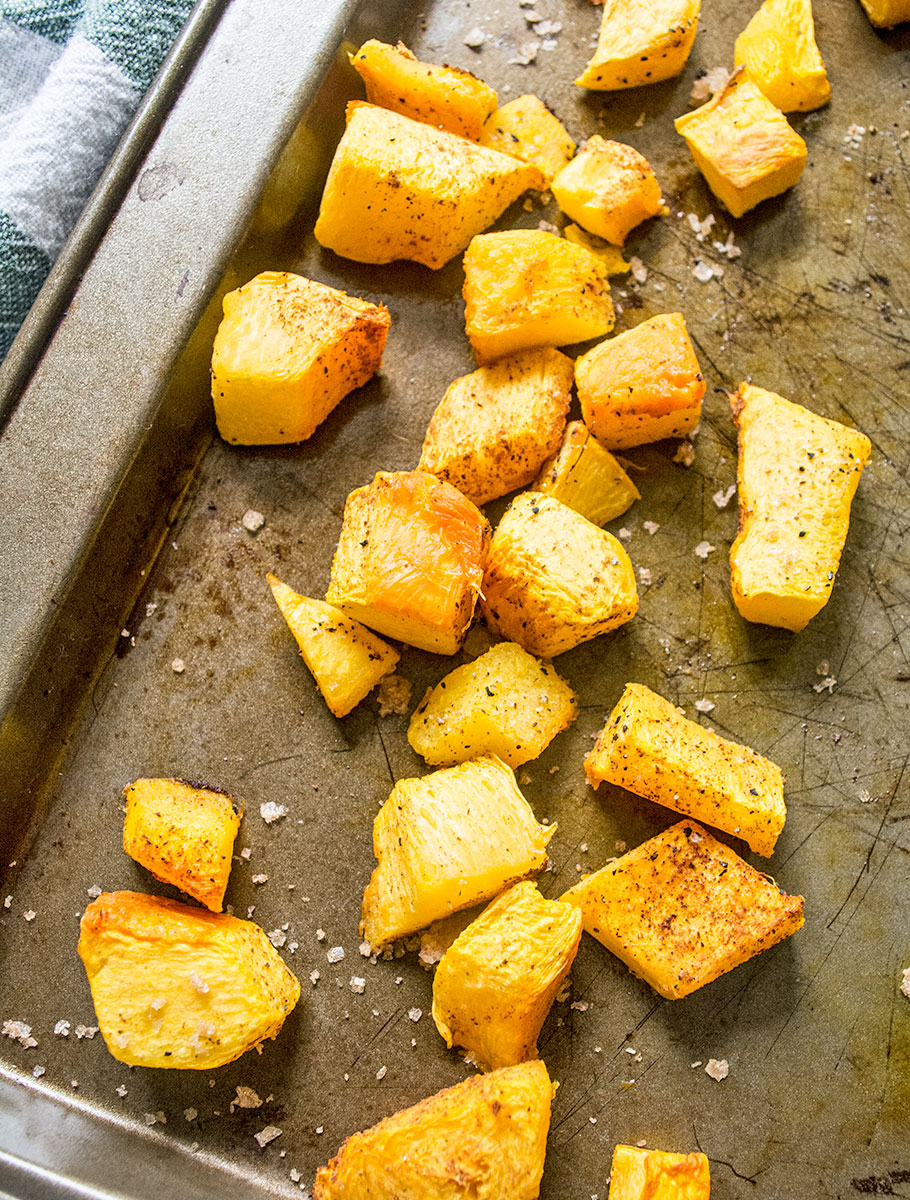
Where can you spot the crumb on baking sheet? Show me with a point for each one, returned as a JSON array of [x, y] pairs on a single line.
[[190, 1114], [245, 1098], [394, 695]]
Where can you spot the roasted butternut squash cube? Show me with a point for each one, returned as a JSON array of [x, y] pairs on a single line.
[[524, 288], [494, 427], [552, 579], [587, 478], [608, 188], [505, 703], [886, 13], [637, 1174], [641, 386], [526, 129], [610, 256], [778, 50], [345, 658], [797, 476], [648, 747], [495, 984], [447, 841], [682, 909], [743, 145], [447, 97], [400, 189], [287, 351], [484, 1137], [175, 986], [641, 41], [409, 560], [183, 833]]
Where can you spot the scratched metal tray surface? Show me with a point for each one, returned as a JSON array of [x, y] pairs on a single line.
[[816, 1032]]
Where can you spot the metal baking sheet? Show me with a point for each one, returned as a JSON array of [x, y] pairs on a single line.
[[816, 1031]]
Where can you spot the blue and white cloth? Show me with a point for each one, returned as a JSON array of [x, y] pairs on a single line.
[[72, 73]]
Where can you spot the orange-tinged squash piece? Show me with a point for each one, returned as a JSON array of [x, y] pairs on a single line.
[[608, 188], [639, 1174], [610, 256], [641, 41], [778, 50], [526, 129], [886, 13], [586, 477]]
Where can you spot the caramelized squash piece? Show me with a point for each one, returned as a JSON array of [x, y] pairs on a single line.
[[641, 41], [778, 50], [446, 97], [638, 1174], [886, 13], [447, 841], [587, 478], [682, 909], [486, 1137], [526, 129], [608, 188]]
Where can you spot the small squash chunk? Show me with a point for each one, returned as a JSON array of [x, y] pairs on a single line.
[[504, 703], [486, 1137], [175, 986], [454, 838], [447, 97], [682, 909], [608, 188], [637, 1174], [648, 747], [743, 145], [183, 833], [587, 478], [641, 41], [399, 189], [552, 579], [643, 385], [610, 256], [525, 288], [797, 476], [346, 659], [287, 351], [494, 427], [778, 50], [495, 984], [409, 560], [526, 129], [886, 13]]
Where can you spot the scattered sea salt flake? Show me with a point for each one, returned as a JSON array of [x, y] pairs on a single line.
[[94, 891], [698, 1063], [707, 83], [277, 937], [30, 915], [357, 985], [414, 1014], [245, 853], [245, 1098], [823, 668], [39, 1071], [905, 982], [703, 549], [156, 1118], [198, 982], [158, 1003], [828, 683], [474, 39], [314, 977], [252, 521], [62, 1029], [547, 227], [264, 1136], [722, 498], [625, 534], [178, 666], [86, 1031], [652, 527], [271, 812], [122, 1090], [381, 1073], [365, 949], [866, 797], [190, 1114], [527, 53], [640, 122], [639, 270], [703, 271], [700, 228], [320, 935], [7, 903], [704, 706], [727, 248], [262, 878], [335, 954], [717, 1068], [548, 28]]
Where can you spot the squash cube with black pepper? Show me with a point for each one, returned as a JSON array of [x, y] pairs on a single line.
[[779, 51], [586, 477], [526, 129], [608, 188], [641, 41]]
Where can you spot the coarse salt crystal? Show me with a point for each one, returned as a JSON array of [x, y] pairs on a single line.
[[707, 83], [245, 853], [264, 1136], [320, 935], [722, 498], [94, 891], [866, 797], [335, 954], [38, 1071], [252, 521], [703, 271], [30, 915], [703, 549], [245, 1098], [122, 1090], [527, 53], [828, 683], [86, 1031], [158, 1003], [365, 949], [704, 706], [7, 903], [548, 28], [381, 1073], [277, 937], [178, 666], [271, 812], [263, 878], [639, 270], [717, 1068], [474, 39], [644, 575], [190, 1114], [651, 526], [905, 983], [62, 1029], [314, 977], [414, 1014], [625, 534], [357, 984], [198, 982]]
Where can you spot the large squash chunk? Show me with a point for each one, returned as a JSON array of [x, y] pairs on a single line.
[[886, 13], [682, 909], [526, 129], [637, 1174], [778, 50], [495, 984], [586, 477], [552, 579], [174, 986], [399, 189], [798, 474], [525, 288], [409, 560], [608, 188], [641, 41], [346, 659], [485, 1137], [494, 427], [446, 97], [287, 351], [505, 703], [447, 841], [648, 747]]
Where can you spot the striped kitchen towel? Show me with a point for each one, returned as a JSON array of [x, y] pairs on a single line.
[[72, 73]]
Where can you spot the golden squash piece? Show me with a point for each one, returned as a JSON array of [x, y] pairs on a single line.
[[797, 476], [345, 658], [287, 351], [648, 747], [643, 385], [526, 129], [525, 288], [743, 145], [446, 97], [174, 986], [496, 982], [447, 841], [608, 188], [778, 50], [610, 256], [504, 703], [486, 1137], [400, 189], [886, 13], [494, 427], [552, 579], [682, 909], [183, 833], [637, 1174], [410, 560], [587, 478], [641, 41]]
